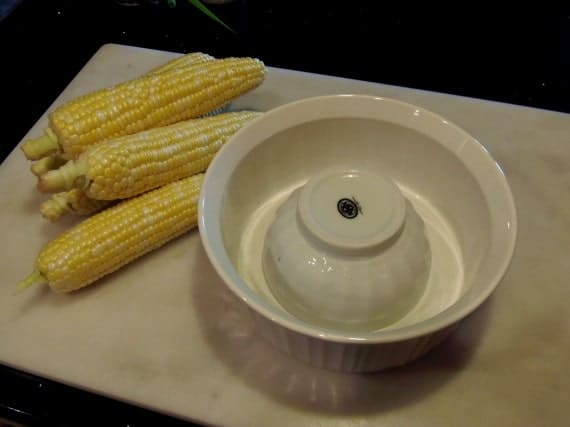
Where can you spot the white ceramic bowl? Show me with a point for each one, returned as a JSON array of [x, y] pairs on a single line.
[[450, 180], [347, 251]]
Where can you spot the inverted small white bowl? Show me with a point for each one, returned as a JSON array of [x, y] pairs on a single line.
[[453, 183], [347, 251]]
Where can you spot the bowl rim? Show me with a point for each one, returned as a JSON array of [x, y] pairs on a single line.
[[309, 109]]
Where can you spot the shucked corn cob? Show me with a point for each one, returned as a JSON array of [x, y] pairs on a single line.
[[116, 236], [133, 164], [74, 201], [54, 161], [148, 101]]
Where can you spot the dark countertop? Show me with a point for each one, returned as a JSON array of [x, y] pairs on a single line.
[[519, 56]]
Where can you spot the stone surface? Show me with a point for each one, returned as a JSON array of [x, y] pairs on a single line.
[[164, 333]]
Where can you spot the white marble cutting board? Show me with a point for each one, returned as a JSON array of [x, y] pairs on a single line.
[[164, 332]]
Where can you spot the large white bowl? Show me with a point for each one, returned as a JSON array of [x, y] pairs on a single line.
[[453, 183]]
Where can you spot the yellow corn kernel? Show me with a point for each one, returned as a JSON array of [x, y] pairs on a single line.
[[108, 240], [53, 161], [46, 164], [133, 164], [74, 202], [183, 61], [146, 102]]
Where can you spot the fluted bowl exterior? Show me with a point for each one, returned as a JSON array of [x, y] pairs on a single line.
[[342, 357]]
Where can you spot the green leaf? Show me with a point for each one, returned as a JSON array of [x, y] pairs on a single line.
[[171, 3], [198, 4]]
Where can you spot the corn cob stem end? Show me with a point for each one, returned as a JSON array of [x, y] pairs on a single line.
[[35, 149], [46, 164], [70, 175], [52, 209], [35, 278]]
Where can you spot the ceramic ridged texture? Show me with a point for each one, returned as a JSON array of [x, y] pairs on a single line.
[[345, 357], [152, 101]]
